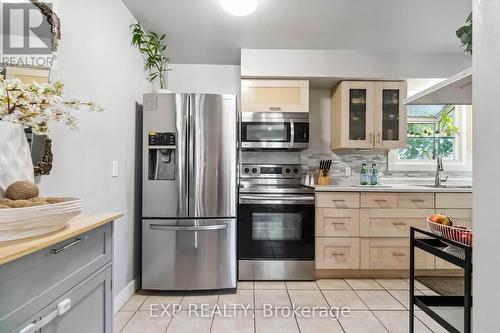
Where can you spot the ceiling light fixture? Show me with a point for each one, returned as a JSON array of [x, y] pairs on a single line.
[[239, 7]]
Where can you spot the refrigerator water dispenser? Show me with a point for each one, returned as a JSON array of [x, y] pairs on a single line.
[[161, 161]]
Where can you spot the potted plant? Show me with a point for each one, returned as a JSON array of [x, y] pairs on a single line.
[[152, 47], [465, 34], [33, 105]]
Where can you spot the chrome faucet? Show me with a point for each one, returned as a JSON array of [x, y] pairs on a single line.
[[439, 168]]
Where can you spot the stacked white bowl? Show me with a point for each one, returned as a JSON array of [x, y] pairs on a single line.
[[19, 223]]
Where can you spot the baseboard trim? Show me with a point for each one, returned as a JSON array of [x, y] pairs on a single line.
[[124, 295]]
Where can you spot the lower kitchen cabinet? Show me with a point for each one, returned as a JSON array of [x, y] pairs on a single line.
[[392, 222], [392, 253], [337, 222], [337, 253], [90, 311], [370, 231], [63, 288]]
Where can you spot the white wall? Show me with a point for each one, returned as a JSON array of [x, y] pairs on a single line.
[[350, 64], [320, 121], [486, 196], [215, 79], [96, 61]]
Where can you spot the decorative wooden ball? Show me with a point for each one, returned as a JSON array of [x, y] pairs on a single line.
[[22, 190]]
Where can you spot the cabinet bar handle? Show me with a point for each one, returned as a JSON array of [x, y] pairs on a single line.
[[371, 138], [398, 223], [335, 223], [379, 138], [399, 254], [417, 200], [275, 108], [338, 253], [73, 243], [380, 200]]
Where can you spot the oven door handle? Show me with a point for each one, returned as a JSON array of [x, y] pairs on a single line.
[[276, 199]]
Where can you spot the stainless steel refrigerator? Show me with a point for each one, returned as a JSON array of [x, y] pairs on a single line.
[[189, 192]]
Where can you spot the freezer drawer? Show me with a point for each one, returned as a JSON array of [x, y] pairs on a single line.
[[188, 254]]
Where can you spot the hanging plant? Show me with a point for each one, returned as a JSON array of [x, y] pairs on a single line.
[[152, 47], [465, 34]]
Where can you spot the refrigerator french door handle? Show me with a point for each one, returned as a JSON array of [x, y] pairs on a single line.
[[183, 161], [188, 228], [191, 153]]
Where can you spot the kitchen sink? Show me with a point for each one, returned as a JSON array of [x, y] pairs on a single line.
[[448, 186]]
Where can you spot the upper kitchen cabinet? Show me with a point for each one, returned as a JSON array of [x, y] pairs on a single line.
[[274, 95], [390, 115], [367, 114], [353, 115]]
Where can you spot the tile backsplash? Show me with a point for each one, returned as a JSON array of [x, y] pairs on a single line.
[[354, 158]]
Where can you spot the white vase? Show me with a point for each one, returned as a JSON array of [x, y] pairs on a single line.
[[15, 155]]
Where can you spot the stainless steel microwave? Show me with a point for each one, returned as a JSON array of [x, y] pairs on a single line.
[[274, 130]]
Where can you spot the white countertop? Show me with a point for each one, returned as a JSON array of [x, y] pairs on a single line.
[[390, 188]]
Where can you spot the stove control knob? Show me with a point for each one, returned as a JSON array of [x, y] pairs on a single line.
[[247, 170], [254, 170], [295, 170], [287, 170]]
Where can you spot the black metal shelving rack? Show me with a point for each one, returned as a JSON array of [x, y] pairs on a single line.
[[436, 245]]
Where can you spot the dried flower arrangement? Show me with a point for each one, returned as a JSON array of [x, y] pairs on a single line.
[[37, 104]]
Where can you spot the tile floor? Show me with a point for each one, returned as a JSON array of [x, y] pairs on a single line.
[[377, 306]]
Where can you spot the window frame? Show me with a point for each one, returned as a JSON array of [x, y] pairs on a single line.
[[463, 148]]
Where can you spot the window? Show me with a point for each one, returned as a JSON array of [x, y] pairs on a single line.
[[435, 128]]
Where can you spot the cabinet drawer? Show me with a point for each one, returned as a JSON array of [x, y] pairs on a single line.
[[337, 222], [337, 200], [337, 253], [443, 264], [33, 281], [379, 200], [459, 213], [392, 253], [453, 200], [416, 200], [90, 310], [392, 222]]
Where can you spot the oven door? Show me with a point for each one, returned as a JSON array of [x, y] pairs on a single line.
[[276, 227], [266, 134]]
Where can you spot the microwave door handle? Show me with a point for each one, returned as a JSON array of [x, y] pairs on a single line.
[[292, 133]]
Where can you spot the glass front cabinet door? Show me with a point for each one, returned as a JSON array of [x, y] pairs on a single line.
[[353, 115], [390, 115], [368, 114]]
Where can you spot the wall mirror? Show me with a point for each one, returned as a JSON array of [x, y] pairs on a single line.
[[35, 65]]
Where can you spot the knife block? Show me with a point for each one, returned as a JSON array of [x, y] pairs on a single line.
[[324, 180]]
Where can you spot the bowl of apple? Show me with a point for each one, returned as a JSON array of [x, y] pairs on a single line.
[[457, 229]]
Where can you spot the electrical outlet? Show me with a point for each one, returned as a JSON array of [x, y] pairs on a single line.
[[348, 172], [115, 169]]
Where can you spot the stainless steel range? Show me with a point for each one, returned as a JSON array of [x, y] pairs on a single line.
[[275, 224]]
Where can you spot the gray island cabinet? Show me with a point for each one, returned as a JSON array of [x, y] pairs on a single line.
[[61, 282]]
